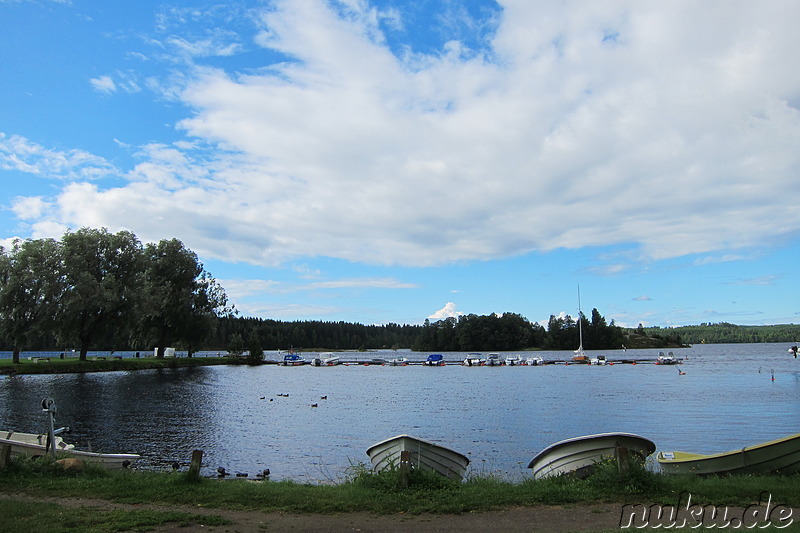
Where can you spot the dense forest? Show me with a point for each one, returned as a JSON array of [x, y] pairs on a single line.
[[724, 332], [102, 291]]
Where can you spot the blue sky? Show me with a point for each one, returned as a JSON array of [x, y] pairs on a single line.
[[392, 161]]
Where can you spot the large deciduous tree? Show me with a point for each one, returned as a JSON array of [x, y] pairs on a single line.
[[31, 285], [180, 298], [103, 279]]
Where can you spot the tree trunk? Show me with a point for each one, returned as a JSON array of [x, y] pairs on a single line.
[[15, 356]]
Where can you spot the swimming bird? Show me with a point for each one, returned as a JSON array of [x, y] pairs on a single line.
[[221, 472], [323, 397], [314, 405]]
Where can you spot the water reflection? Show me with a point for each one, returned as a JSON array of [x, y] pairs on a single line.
[[250, 418]]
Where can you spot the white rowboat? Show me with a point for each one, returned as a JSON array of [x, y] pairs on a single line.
[[385, 455], [579, 455], [34, 445]]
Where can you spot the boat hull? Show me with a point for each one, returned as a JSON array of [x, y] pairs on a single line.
[[423, 455], [32, 445], [781, 456], [579, 455]]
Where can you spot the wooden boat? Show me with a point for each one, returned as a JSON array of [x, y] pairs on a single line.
[[780, 456], [578, 455], [385, 455], [34, 445], [434, 359]]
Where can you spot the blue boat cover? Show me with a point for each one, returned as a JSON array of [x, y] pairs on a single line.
[[435, 357]]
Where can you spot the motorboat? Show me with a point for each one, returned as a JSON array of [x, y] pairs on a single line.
[[398, 361], [599, 360], [493, 359], [329, 359], [534, 361], [780, 456], [514, 360], [38, 445], [292, 359], [423, 455], [668, 359], [577, 456], [473, 359], [435, 359]]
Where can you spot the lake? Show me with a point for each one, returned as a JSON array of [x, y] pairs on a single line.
[[731, 395]]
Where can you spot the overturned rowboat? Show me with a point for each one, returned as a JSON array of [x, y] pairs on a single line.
[[423, 455], [578, 456]]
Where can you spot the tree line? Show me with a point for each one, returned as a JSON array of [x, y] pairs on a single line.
[[98, 290], [724, 332], [95, 288], [511, 331]]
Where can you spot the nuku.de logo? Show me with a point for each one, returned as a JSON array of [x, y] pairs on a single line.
[[685, 514]]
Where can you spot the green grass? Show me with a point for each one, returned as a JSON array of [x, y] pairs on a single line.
[[381, 493], [25, 516], [71, 365]]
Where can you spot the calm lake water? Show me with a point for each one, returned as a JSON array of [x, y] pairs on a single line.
[[499, 416]]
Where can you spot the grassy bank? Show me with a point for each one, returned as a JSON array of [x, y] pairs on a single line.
[[365, 491], [108, 364]]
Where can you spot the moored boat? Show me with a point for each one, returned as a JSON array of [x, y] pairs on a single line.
[[780, 456], [473, 359], [398, 361], [37, 445], [514, 360], [668, 359], [385, 455], [493, 359], [435, 359], [599, 360], [292, 359], [534, 361], [579, 455]]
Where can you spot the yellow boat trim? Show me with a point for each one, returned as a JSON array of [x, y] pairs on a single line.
[[678, 457]]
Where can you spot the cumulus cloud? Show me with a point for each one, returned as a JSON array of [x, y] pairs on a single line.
[[448, 311], [669, 127]]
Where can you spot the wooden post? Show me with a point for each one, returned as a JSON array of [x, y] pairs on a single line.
[[621, 455], [5, 455], [405, 463], [194, 467]]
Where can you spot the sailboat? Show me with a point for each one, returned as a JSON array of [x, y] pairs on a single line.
[[579, 355]]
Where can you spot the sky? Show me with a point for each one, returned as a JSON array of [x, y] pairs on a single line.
[[392, 161]]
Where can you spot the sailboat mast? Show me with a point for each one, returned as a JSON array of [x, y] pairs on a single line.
[[580, 322]]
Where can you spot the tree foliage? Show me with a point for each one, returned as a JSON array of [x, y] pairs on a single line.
[[96, 289]]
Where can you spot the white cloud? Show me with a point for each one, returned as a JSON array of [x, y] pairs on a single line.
[[104, 84], [448, 311], [671, 127], [20, 154]]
